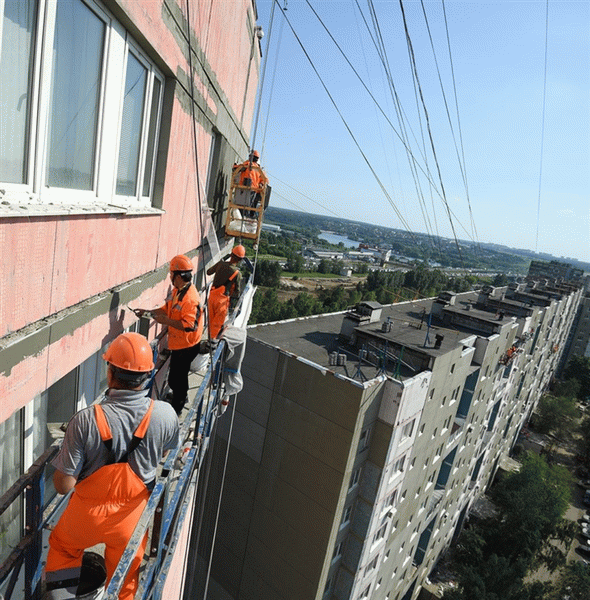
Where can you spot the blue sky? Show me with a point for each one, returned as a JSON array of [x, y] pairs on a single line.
[[498, 58]]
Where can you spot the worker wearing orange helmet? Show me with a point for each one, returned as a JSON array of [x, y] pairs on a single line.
[[249, 172], [109, 458], [225, 287], [184, 317]]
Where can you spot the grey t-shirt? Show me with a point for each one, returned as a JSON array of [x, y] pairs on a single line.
[[83, 452]]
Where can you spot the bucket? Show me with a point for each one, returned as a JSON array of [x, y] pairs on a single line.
[[92, 577]]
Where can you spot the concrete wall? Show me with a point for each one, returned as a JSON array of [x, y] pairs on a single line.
[[293, 449]]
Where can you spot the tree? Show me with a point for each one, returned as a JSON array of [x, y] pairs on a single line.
[[500, 280], [578, 367], [573, 583], [493, 557], [532, 503], [555, 415], [324, 266], [295, 263], [268, 273], [569, 388]]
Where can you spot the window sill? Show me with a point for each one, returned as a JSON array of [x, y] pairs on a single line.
[[16, 210]]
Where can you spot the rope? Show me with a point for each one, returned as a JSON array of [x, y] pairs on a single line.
[[231, 426]]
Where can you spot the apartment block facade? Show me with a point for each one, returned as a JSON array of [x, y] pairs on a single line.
[[362, 439], [578, 342], [119, 125]]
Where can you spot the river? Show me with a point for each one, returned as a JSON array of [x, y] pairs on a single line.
[[334, 238]]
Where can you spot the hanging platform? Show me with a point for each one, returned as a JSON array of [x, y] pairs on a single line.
[[246, 206]]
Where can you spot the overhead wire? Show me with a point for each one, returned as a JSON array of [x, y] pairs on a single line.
[[542, 124], [380, 47], [400, 136], [461, 165], [253, 139], [272, 84], [379, 44], [275, 178], [464, 166], [365, 158], [429, 129], [381, 136]]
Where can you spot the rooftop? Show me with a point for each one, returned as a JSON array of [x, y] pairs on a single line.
[[315, 338]]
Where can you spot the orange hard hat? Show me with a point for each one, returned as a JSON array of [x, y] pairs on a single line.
[[255, 154], [181, 263], [239, 251], [131, 352]]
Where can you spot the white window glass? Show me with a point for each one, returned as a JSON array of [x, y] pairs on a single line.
[[407, 429], [151, 142], [16, 53], [11, 469], [75, 96], [131, 127]]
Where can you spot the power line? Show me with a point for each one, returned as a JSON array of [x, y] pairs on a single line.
[[415, 72], [460, 156], [542, 125], [390, 200]]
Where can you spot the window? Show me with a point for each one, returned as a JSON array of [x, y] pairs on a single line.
[[389, 500], [354, 478], [337, 551], [372, 565], [346, 516], [365, 593], [398, 466], [11, 442], [364, 439], [380, 533], [407, 430], [79, 107]]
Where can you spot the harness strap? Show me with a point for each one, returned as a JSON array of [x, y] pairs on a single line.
[[107, 437]]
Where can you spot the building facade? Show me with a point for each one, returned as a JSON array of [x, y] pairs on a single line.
[[362, 439], [119, 124], [578, 341]]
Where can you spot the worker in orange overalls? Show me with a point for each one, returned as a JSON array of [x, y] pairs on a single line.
[[249, 174], [225, 287], [185, 319], [109, 458]]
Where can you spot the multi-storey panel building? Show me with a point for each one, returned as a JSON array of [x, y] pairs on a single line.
[[362, 439]]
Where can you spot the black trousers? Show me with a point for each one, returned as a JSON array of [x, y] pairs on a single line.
[[180, 363]]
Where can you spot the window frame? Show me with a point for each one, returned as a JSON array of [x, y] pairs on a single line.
[[35, 193]]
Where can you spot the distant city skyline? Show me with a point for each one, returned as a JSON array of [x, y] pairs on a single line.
[[525, 148]]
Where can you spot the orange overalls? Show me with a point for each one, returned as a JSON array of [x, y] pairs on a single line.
[[219, 299], [104, 508]]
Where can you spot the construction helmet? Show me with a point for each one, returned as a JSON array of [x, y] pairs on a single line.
[[239, 251], [130, 352], [181, 263], [255, 154]]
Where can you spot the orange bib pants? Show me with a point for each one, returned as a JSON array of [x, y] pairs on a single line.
[[104, 508], [218, 306]]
